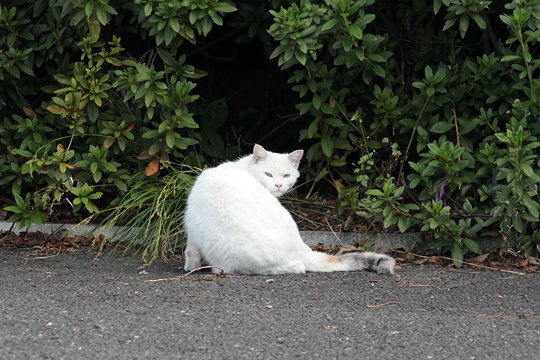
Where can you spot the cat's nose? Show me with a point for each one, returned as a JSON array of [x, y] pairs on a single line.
[[278, 185]]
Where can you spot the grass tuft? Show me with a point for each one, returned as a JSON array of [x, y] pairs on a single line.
[[151, 215]]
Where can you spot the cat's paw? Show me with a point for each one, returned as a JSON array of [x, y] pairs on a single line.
[[192, 263]]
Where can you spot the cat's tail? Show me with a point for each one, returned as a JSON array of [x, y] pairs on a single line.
[[321, 262]]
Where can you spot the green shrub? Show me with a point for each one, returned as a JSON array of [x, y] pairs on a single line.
[[81, 115], [435, 106], [422, 115]]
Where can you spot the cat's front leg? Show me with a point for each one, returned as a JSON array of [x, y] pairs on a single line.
[[192, 257]]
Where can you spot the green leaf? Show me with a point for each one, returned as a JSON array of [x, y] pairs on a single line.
[[102, 16], [316, 101], [436, 6], [278, 51], [376, 57], [531, 205], [428, 73], [206, 26], [441, 127], [527, 170], [120, 185], [147, 9], [457, 254], [463, 24], [88, 9], [374, 192], [163, 126], [479, 20], [91, 207], [108, 142], [95, 29], [356, 31], [174, 24], [37, 217], [472, 245], [95, 195], [364, 20], [403, 224], [389, 220], [225, 7], [449, 23], [14, 209], [347, 44], [21, 203], [170, 139], [330, 24], [93, 111], [312, 129], [378, 70], [327, 145], [301, 57]]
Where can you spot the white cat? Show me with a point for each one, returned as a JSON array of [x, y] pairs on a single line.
[[234, 221]]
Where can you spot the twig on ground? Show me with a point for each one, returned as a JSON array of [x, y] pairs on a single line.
[[426, 285], [463, 262], [378, 306], [183, 276], [332, 230], [42, 257]]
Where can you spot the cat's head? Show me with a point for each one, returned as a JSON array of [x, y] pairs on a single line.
[[276, 172]]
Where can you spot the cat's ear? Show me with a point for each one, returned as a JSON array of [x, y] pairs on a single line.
[[259, 154], [295, 157]]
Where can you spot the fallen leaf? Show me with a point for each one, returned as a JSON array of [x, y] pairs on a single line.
[[421, 261], [478, 259], [152, 167], [346, 249], [129, 127], [523, 263], [329, 327]]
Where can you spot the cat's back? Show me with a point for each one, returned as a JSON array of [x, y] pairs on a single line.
[[227, 187], [223, 179]]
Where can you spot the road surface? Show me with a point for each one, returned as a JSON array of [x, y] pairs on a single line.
[[71, 306]]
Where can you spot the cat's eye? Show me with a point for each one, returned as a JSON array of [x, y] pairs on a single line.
[[268, 174], [286, 175]]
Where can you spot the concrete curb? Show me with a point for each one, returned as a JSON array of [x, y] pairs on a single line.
[[380, 241]]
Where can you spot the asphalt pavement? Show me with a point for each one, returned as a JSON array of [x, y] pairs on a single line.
[[71, 306]]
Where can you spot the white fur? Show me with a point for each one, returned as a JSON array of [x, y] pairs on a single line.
[[234, 220]]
